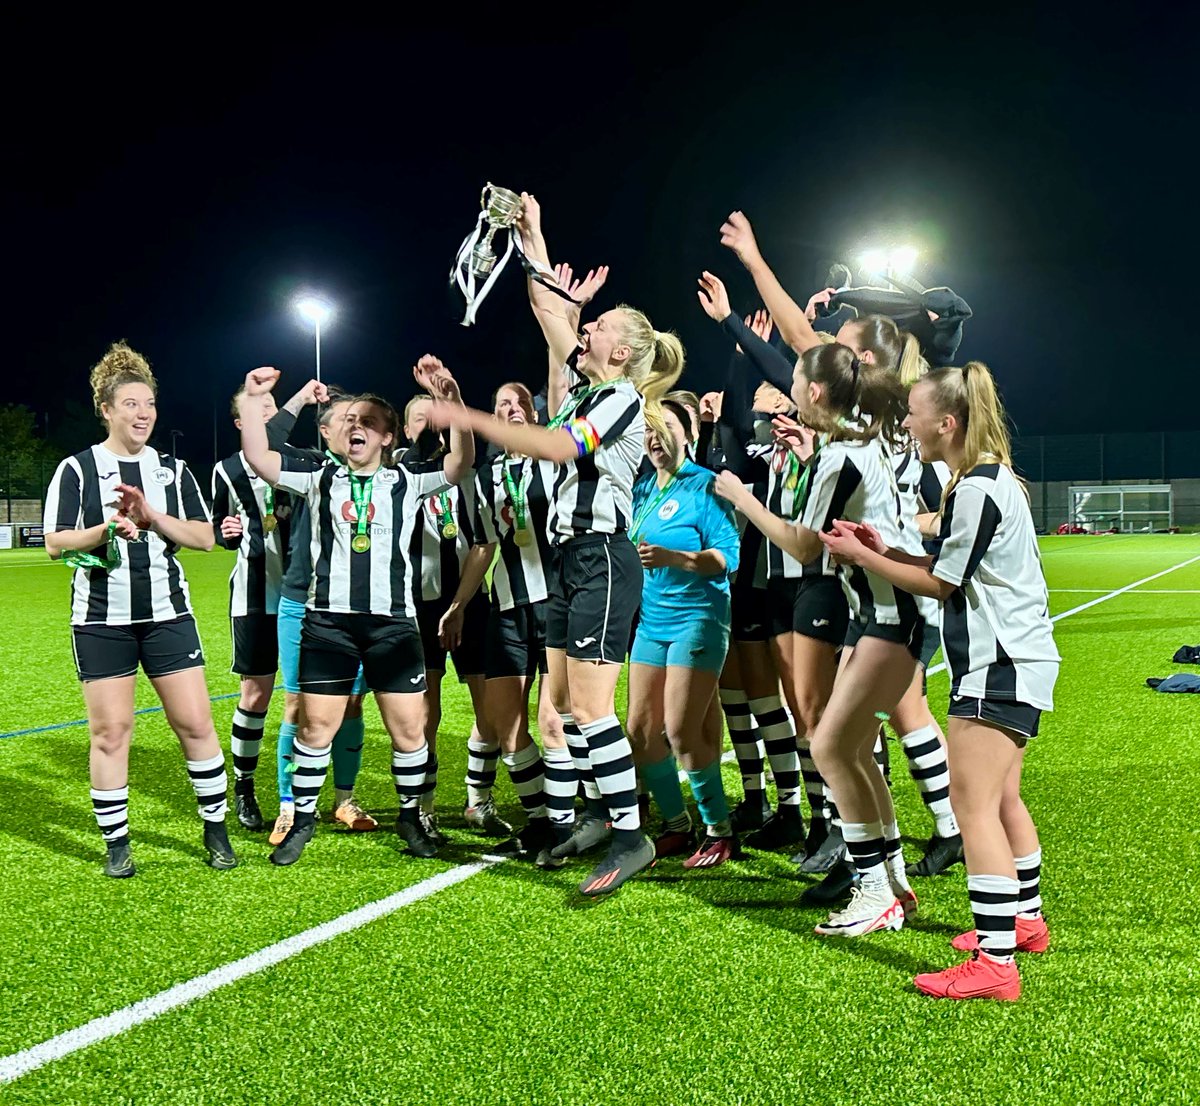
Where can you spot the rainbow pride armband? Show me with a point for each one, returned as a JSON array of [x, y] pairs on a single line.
[[586, 439]]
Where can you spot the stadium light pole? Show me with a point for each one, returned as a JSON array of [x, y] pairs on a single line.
[[317, 312]]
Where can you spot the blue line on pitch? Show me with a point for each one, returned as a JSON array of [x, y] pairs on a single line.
[[83, 721]]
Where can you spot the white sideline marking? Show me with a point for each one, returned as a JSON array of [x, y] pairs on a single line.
[[110, 1025], [1140, 591], [728, 756], [1102, 599]]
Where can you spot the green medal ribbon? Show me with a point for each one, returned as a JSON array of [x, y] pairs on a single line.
[[77, 558], [802, 483], [793, 470], [268, 519], [446, 516], [360, 491], [516, 492], [565, 414], [648, 508]]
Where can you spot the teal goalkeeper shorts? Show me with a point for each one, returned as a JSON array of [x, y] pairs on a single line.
[[700, 644]]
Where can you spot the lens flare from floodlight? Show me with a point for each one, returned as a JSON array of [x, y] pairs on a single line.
[[314, 310], [902, 260], [874, 262]]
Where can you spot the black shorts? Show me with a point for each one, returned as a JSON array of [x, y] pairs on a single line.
[[911, 633], [1020, 718], [469, 653], [750, 612], [333, 645], [814, 606], [109, 652], [516, 641], [781, 604], [820, 610], [595, 585], [255, 645]]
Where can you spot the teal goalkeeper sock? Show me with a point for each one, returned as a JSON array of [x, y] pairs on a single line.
[[347, 753], [283, 759], [709, 791], [662, 780]]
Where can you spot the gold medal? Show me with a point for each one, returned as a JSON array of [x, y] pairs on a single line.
[[269, 523], [360, 543], [450, 530], [522, 536]]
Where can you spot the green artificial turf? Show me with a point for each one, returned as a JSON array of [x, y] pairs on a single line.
[[683, 988]]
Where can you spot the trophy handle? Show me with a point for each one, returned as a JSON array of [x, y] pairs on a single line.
[[483, 193]]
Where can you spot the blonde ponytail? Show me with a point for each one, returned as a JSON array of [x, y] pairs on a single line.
[[912, 365], [969, 394], [655, 362]]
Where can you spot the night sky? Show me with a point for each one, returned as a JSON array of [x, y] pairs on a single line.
[[176, 190]]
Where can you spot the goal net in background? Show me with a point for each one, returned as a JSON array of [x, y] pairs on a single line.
[[1128, 508]]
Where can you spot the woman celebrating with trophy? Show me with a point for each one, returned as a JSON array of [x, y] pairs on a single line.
[[623, 367]]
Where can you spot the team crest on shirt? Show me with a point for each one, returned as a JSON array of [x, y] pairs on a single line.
[[387, 476], [668, 509], [163, 476]]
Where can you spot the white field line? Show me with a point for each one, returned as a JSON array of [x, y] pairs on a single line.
[[1140, 591], [1102, 599], [111, 1025]]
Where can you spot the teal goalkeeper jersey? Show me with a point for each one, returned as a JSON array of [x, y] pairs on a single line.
[[687, 516]]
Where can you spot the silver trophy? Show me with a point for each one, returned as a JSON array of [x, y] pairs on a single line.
[[501, 208], [476, 266]]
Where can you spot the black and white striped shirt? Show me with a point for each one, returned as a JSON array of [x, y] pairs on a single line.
[[593, 494], [519, 576], [258, 572], [792, 502], [935, 475], [379, 580], [437, 561], [907, 465], [783, 492], [996, 630], [148, 585], [855, 481]]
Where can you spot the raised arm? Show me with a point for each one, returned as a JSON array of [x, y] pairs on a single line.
[[770, 364], [435, 378], [283, 422], [264, 460], [789, 316], [552, 312], [582, 292]]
